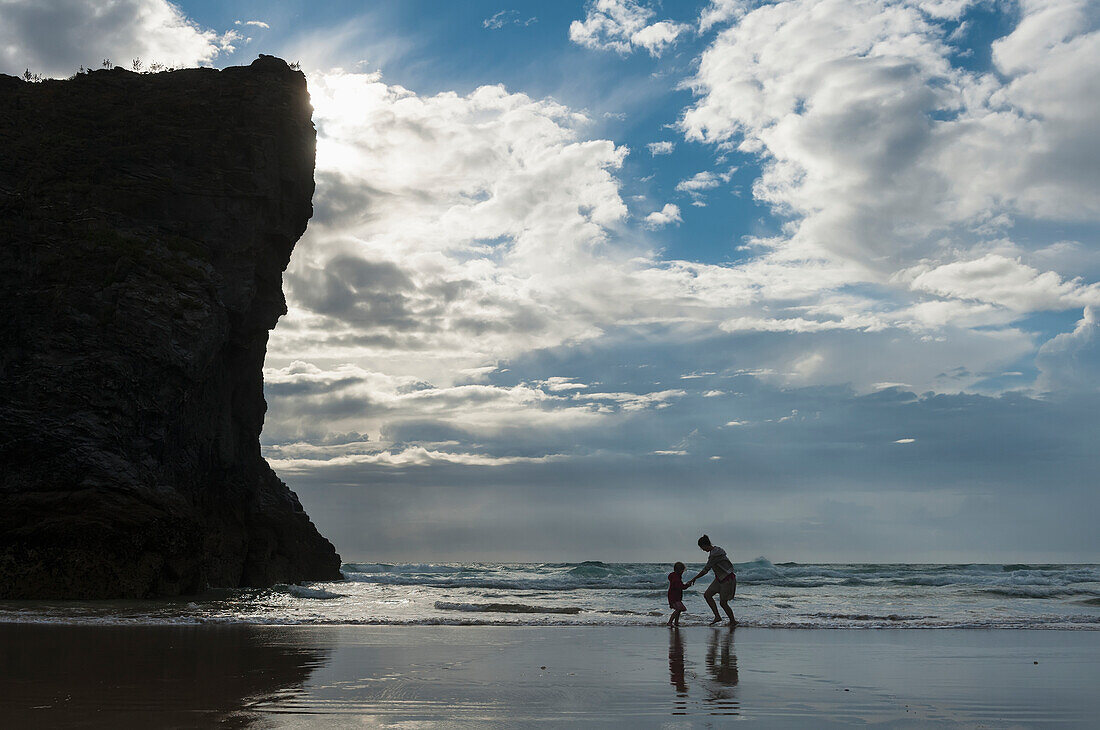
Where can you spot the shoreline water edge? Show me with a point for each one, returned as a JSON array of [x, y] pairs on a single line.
[[786, 595]]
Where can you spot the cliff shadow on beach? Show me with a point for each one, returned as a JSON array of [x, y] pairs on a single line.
[[148, 676]]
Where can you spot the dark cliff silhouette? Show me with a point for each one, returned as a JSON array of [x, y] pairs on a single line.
[[146, 223]]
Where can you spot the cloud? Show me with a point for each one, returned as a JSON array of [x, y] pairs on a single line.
[[700, 183], [661, 148], [413, 456], [1007, 282], [878, 147], [449, 227], [719, 12], [56, 38], [498, 20], [1071, 361], [622, 26], [663, 217], [256, 23]]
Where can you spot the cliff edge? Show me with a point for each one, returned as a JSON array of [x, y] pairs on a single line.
[[146, 223]]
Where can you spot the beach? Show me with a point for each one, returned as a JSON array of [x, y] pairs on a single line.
[[242, 675]]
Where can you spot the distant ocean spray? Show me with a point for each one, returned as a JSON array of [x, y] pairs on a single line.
[[784, 595]]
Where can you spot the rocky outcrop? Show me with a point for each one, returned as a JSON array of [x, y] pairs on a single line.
[[145, 222]]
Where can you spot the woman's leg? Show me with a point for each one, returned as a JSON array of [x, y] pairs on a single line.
[[708, 595], [727, 596]]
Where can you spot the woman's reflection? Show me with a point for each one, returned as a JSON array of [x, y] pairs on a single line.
[[721, 665], [721, 661]]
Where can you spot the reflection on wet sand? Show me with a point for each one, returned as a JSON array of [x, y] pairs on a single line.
[[676, 671], [722, 668], [145, 676], [717, 686]]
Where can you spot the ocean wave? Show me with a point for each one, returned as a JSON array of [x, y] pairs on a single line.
[[651, 577], [506, 608], [306, 592], [867, 617], [1039, 591]]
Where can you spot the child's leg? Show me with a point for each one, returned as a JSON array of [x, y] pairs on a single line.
[[676, 616]]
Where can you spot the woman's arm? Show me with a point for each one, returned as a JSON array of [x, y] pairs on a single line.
[[706, 568]]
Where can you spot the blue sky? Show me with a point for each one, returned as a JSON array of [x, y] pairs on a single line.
[[587, 279]]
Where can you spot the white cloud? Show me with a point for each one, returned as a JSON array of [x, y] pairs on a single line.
[[557, 384], [1000, 280], [498, 20], [894, 168], [878, 147], [256, 23], [661, 148], [622, 26], [1071, 360], [669, 214], [636, 401], [450, 229], [55, 38], [413, 456], [699, 183], [719, 12], [656, 37]]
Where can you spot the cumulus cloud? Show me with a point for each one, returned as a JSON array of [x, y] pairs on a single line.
[[895, 168], [1008, 282], [1071, 361], [447, 227], [878, 146], [622, 26], [661, 148], [56, 38], [667, 215]]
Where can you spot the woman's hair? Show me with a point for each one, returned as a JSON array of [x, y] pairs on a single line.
[[678, 567], [704, 541]]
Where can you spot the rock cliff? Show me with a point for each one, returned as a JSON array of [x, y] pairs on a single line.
[[145, 222]]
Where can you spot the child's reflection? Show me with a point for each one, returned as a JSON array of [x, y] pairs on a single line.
[[676, 662], [676, 671]]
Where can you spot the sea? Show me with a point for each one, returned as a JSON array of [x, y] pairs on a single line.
[[771, 595]]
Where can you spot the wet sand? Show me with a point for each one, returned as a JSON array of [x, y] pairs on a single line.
[[493, 676]]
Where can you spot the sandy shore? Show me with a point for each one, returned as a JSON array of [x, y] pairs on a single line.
[[362, 676]]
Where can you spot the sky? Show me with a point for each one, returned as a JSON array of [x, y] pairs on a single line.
[[820, 278]]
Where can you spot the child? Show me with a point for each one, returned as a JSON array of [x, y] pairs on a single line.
[[676, 593]]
